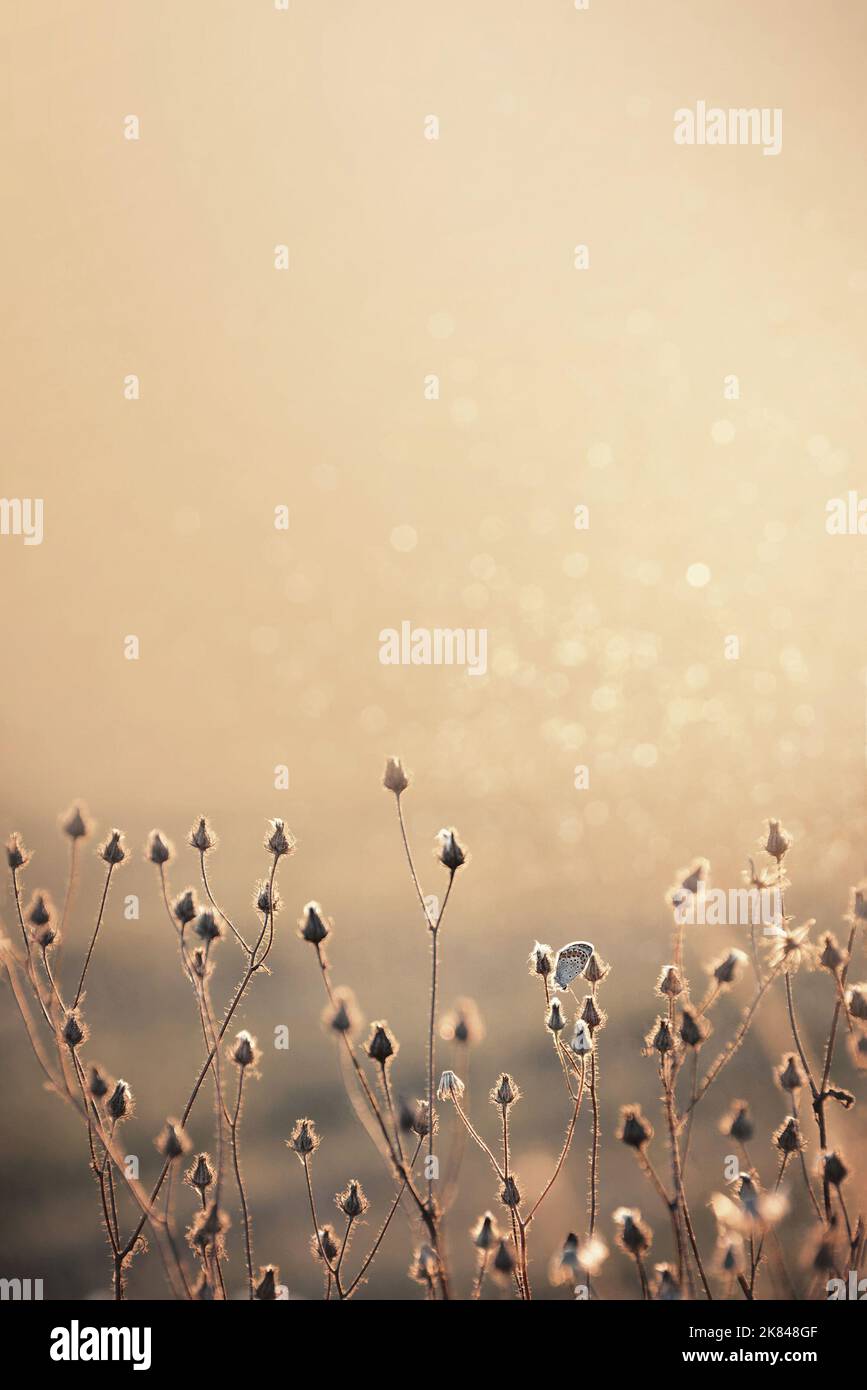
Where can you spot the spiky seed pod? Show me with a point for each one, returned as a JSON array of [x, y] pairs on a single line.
[[278, 842], [245, 1053], [667, 1288], [448, 851], [831, 957], [834, 1170], [777, 841], [506, 1092], [39, 911], [207, 928], [670, 983], [394, 778], [113, 852], [510, 1195], [381, 1045], [267, 899], [201, 1174], [421, 1120], [789, 1075], [425, 1266], [787, 1137], [582, 1039], [660, 1038], [74, 1031], [352, 1201], [46, 936], [119, 1103], [856, 1001], [312, 926], [303, 1140], [738, 1124], [593, 1017], [726, 970], [76, 823], [16, 855], [451, 1087], [324, 1244], [485, 1234], [635, 1131], [635, 1236], [266, 1289], [596, 969], [694, 1029], [342, 1016], [792, 949], [541, 960], [504, 1261], [565, 1268], [159, 850], [201, 836], [555, 1020], [172, 1142], [185, 908], [96, 1083]]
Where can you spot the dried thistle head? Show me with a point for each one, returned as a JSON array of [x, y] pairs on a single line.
[[832, 1168], [112, 851], [582, 1039], [788, 1138], [208, 1230], [97, 1085], [342, 1013], [556, 1019], [857, 1043], [666, 1289], [323, 1245], [267, 899], [16, 855], [74, 1030], [451, 1087], [593, 1016], [201, 837], [506, 1092], [245, 1052], [42, 917], [449, 851], [207, 927], [687, 883], [660, 1039], [463, 1024], [596, 969], [185, 907], [425, 1266], [776, 842], [313, 926], [172, 1142], [737, 1123], [564, 1267], [120, 1103], [394, 778], [856, 1001], [352, 1201], [726, 970], [634, 1235], [485, 1234], [670, 983], [382, 1045], [832, 957], [541, 960], [76, 823], [304, 1141], [694, 1030], [635, 1131], [201, 1174], [266, 1288], [789, 1075], [159, 850], [792, 949], [279, 842], [504, 1261]]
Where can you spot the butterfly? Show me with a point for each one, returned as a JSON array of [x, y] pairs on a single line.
[[572, 961]]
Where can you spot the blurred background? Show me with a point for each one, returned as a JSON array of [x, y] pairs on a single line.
[[258, 648]]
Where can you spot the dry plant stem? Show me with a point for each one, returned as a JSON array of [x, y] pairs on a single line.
[[679, 1187], [242, 1195], [384, 1227], [30, 968], [758, 1254], [732, 1047], [431, 1039], [317, 1232], [563, 1152], [170, 1234], [95, 935], [30, 1029], [479, 1280], [219, 911], [645, 1289], [594, 1145], [669, 1203], [517, 1224]]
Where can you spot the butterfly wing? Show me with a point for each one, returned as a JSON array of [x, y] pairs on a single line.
[[572, 961]]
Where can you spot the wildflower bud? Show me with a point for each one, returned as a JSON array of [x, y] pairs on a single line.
[[582, 1039], [46, 936], [635, 1131], [266, 1289], [421, 1119], [592, 1016], [788, 1137], [184, 907], [304, 1140], [635, 1237], [856, 1001], [74, 1031], [506, 1091], [352, 1202], [834, 1169], [541, 960], [312, 925], [555, 1020], [504, 1260], [395, 779], [119, 1102], [596, 969], [113, 851], [789, 1076], [159, 851], [660, 1038], [381, 1045], [343, 1016], [693, 1028], [278, 842], [667, 1288], [206, 927], [201, 837], [324, 1243], [39, 913], [510, 1196], [726, 970], [425, 1266], [670, 983], [267, 900], [565, 1268], [451, 1087], [200, 964], [201, 1174], [463, 1024], [484, 1233], [738, 1124], [173, 1143], [17, 856], [778, 840], [96, 1083], [831, 957], [449, 852], [245, 1053], [75, 823]]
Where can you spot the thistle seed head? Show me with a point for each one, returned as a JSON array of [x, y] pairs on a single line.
[[541, 960], [463, 1024], [856, 1001], [245, 1053], [185, 907], [831, 958], [506, 1092], [342, 1016], [510, 1196], [96, 1083], [485, 1234], [172, 1142], [504, 1261], [266, 1289], [635, 1131], [789, 1075], [726, 970], [448, 851], [201, 836], [352, 1201], [451, 1087], [303, 1140], [16, 855], [788, 1136], [201, 1174], [555, 1020], [119, 1103], [660, 1038], [582, 1039], [207, 928], [395, 779], [738, 1124], [834, 1170], [635, 1236], [159, 850], [76, 823], [694, 1029], [591, 1015], [381, 1045], [777, 841], [312, 926], [670, 983], [279, 842], [324, 1244], [113, 852], [596, 969], [74, 1030]]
